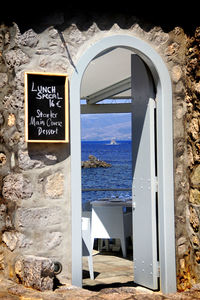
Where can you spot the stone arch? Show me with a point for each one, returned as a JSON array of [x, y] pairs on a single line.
[[165, 154]]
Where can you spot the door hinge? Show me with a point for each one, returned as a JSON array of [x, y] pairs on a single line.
[[134, 205], [156, 184], [158, 269]]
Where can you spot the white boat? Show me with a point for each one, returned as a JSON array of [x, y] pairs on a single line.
[[113, 142]]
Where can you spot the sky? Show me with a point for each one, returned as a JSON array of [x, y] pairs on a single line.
[[97, 127]]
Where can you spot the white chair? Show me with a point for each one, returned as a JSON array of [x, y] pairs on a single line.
[[87, 241], [111, 222]]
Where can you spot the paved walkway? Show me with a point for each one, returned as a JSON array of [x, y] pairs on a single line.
[[109, 268]]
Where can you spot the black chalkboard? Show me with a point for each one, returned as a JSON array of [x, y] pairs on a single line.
[[46, 107]]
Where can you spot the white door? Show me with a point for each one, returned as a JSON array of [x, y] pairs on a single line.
[[144, 176]]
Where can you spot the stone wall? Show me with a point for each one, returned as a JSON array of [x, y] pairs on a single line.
[[35, 205], [35, 216], [189, 264]]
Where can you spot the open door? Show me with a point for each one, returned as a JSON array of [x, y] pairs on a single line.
[[144, 189]]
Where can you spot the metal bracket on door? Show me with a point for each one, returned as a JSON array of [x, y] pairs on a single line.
[[156, 184], [158, 269]]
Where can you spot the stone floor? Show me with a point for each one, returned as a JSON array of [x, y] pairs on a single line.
[[113, 281], [10, 290]]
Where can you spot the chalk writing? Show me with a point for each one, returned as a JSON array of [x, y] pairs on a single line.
[[46, 107]]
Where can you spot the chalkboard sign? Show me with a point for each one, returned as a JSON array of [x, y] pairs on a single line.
[[46, 107]]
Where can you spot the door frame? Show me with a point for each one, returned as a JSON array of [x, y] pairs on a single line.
[[166, 222]]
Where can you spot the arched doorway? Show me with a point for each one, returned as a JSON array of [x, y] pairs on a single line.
[[164, 155]]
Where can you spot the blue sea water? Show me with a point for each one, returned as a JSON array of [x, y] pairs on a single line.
[[119, 175]]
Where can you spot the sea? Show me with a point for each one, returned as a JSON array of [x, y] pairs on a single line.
[[118, 176]]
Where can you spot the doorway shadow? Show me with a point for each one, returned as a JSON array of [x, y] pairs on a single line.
[[99, 287]]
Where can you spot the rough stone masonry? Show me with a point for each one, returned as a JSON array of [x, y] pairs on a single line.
[[35, 207]]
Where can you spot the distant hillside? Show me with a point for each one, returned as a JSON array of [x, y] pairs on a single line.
[[106, 126]]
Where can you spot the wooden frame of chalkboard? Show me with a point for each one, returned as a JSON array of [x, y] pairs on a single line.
[[46, 107]]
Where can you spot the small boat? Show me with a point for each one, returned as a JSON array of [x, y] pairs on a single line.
[[113, 142]]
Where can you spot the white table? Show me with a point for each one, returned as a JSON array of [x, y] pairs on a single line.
[[112, 202], [110, 221]]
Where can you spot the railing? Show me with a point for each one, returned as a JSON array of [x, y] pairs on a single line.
[[106, 190]]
